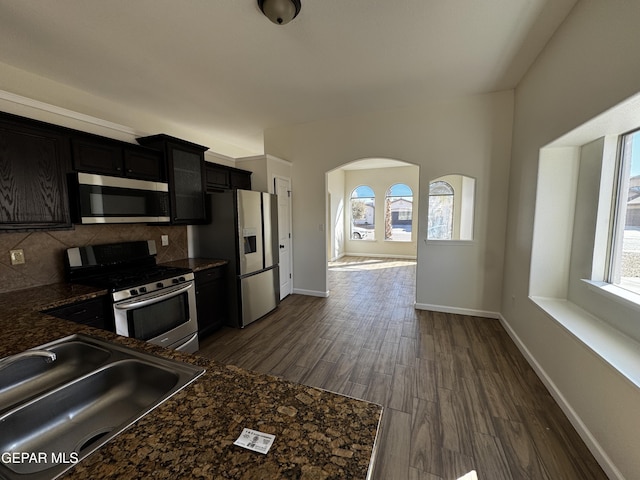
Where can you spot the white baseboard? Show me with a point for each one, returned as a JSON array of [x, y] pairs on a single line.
[[592, 444], [311, 293], [456, 310]]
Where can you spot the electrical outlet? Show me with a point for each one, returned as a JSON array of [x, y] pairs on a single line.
[[17, 257], [165, 240]]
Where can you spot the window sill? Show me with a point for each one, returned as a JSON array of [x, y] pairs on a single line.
[[626, 297], [615, 348]]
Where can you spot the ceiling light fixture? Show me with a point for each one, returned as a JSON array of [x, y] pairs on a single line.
[[280, 12]]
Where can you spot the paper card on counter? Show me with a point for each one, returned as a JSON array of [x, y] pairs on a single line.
[[255, 440]]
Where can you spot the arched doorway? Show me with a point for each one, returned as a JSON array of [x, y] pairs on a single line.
[[371, 212]]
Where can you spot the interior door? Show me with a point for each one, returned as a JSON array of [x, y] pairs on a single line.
[[283, 191]]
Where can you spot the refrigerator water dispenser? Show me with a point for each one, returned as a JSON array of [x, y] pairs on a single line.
[[249, 235]]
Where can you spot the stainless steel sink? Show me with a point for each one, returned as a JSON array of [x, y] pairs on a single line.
[[70, 419], [29, 377]]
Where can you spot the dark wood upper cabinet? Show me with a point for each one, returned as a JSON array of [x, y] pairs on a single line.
[[185, 169], [36, 156], [97, 157], [144, 163], [220, 177], [110, 157], [217, 176], [33, 165], [240, 179]]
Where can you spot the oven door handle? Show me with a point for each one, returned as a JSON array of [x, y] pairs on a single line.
[[153, 297]]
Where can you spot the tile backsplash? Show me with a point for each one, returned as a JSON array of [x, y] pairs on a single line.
[[43, 251]]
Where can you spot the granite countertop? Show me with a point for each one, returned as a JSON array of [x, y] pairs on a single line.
[[197, 264], [319, 434]]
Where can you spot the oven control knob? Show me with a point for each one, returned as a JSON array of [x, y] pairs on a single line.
[[143, 289], [182, 279], [133, 292], [160, 285], [175, 280]]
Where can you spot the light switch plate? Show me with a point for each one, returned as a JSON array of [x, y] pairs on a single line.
[[17, 257], [165, 240]]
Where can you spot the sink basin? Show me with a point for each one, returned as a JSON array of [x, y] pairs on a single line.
[[69, 419], [29, 377], [74, 418]]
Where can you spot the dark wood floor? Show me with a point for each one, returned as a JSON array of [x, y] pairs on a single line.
[[458, 395]]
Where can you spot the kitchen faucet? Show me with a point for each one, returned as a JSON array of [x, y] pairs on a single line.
[[47, 355]]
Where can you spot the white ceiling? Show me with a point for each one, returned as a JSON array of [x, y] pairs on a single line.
[[220, 68]]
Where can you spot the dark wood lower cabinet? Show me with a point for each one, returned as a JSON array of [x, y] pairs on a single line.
[[96, 312], [211, 300]]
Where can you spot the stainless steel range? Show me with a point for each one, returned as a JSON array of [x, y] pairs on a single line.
[[151, 302]]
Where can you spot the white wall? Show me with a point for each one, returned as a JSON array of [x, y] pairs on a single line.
[[338, 207], [41, 89], [590, 65], [31, 96], [470, 135], [264, 168]]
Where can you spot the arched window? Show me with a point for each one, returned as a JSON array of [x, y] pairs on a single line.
[[440, 211], [398, 213], [363, 213]]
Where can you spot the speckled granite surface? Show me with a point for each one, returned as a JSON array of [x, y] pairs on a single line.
[[319, 435]]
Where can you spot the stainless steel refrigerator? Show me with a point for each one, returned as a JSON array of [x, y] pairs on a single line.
[[244, 231]]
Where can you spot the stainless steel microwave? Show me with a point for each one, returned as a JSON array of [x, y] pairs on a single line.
[[104, 199]]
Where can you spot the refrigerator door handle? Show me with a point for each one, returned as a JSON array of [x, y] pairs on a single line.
[[270, 223]]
